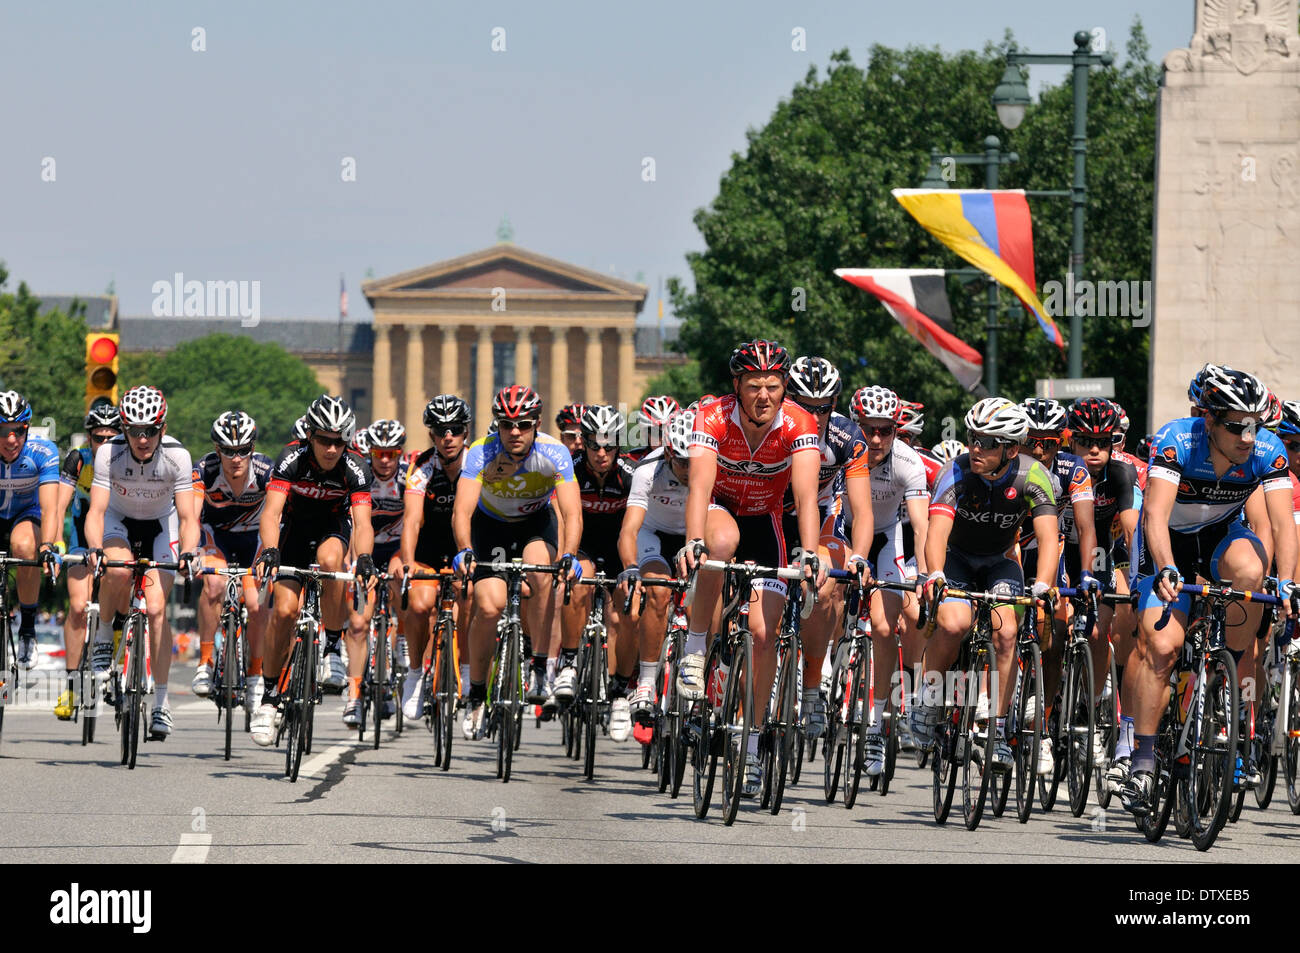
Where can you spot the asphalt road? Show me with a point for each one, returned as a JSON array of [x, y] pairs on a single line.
[[184, 803]]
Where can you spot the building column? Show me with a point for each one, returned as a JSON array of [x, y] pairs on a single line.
[[592, 386], [414, 404], [559, 367], [524, 355], [483, 379], [381, 385], [627, 394], [449, 367]]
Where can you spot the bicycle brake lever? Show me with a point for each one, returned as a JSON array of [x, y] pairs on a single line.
[[641, 608], [1164, 616], [406, 588]]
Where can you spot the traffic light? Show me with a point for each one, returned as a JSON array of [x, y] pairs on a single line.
[[101, 366]]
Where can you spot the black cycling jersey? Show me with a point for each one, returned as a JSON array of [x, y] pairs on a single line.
[[603, 505], [1112, 493], [314, 492], [987, 515]]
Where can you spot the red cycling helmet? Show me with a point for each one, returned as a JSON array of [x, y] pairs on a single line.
[[1093, 417], [760, 356], [516, 402]]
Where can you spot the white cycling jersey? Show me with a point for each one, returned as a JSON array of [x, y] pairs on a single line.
[[143, 491], [655, 490], [895, 480]]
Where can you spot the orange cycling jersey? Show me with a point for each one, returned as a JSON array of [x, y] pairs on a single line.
[[753, 482]]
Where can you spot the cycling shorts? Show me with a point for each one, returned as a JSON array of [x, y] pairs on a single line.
[[383, 554], [30, 515], [158, 539], [493, 539], [998, 573], [1104, 574], [237, 549], [762, 541], [887, 558], [1195, 554], [436, 549], [300, 541], [657, 551]]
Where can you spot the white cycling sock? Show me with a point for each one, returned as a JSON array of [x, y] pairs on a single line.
[[464, 677], [648, 673], [879, 709], [695, 643], [160, 696], [105, 631], [551, 663]]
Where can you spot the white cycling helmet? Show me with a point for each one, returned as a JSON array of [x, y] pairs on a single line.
[[1044, 413], [657, 410], [143, 407], [680, 428], [875, 402], [1224, 390], [948, 450], [385, 435], [333, 415], [603, 421], [814, 378], [233, 429], [998, 417]]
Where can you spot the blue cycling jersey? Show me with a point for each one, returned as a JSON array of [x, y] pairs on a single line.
[[37, 464], [1180, 454]]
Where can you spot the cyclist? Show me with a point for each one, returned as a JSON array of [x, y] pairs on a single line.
[[102, 424], [946, 451], [653, 418], [980, 501], [843, 481], [383, 440], [746, 447], [29, 479], [427, 542], [317, 505], [142, 495], [1202, 471], [229, 490], [1093, 423], [510, 488], [653, 532], [604, 477], [898, 487], [568, 423]]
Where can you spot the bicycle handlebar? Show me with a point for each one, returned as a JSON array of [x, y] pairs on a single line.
[[1219, 593]]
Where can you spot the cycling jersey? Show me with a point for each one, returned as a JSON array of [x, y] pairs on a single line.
[[77, 472], [655, 490], [1295, 497], [933, 465], [987, 515], [844, 456], [1112, 494], [316, 495], [1071, 484], [753, 482], [36, 465], [388, 502], [1181, 455], [143, 491], [899, 477], [514, 490], [223, 508], [427, 477], [1137, 463]]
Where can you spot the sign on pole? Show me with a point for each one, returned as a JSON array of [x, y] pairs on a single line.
[[1071, 388]]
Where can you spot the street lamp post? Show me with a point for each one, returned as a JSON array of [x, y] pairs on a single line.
[[1010, 98], [991, 158]]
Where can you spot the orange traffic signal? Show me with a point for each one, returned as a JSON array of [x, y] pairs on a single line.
[[101, 366]]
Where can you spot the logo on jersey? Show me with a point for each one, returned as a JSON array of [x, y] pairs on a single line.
[[1170, 454], [1184, 486], [1279, 462], [1009, 493]]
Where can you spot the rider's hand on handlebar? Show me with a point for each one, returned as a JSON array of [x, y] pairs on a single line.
[[934, 584], [189, 563], [570, 569], [1168, 584], [267, 563], [463, 562], [629, 579], [1088, 581], [50, 557], [692, 554], [365, 570], [1288, 591], [1040, 589]]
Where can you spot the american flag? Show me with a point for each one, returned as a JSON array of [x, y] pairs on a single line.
[[343, 298]]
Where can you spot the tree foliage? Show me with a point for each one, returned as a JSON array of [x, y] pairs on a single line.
[[811, 194], [43, 357], [209, 375]]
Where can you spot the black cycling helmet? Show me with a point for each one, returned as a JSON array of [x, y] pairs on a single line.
[[446, 410], [103, 415], [759, 355]]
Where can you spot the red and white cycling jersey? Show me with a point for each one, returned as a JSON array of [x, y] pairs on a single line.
[[751, 483]]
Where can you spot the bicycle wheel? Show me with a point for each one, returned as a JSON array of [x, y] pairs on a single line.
[[1049, 784], [787, 726], [592, 691], [662, 700], [735, 724], [1245, 744], [1028, 737], [890, 730], [800, 742], [709, 737], [8, 670], [944, 764], [1214, 748], [313, 690], [833, 738], [1080, 713], [511, 691], [86, 696], [379, 682], [135, 691], [1290, 757], [294, 709], [229, 682], [974, 790], [243, 667], [855, 725], [447, 691], [1108, 726]]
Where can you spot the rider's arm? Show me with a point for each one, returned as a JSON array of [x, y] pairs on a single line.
[[412, 522], [858, 490], [633, 518], [804, 466], [1157, 505], [269, 524], [1258, 515], [51, 516], [1282, 521], [936, 540], [1047, 533], [99, 497], [568, 501], [61, 504], [918, 511], [467, 494], [188, 519], [1086, 526], [704, 473], [363, 534]]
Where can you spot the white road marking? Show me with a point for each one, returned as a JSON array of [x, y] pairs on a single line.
[[324, 759], [193, 848]]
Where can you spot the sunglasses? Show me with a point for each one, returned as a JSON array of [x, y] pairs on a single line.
[[523, 426], [329, 441], [571, 434], [817, 408], [457, 430], [1099, 443], [886, 431], [386, 454], [607, 447], [142, 433], [235, 453], [980, 441], [1043, 443], [1239, 428], [99, 438]]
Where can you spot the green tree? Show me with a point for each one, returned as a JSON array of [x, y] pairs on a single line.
[[811, 193], [220, 372], [43, 357]]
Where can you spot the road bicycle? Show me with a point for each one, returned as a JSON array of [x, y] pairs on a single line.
[[440, 688], [379, 689], [9, 683], [230, 675], [668, 742]]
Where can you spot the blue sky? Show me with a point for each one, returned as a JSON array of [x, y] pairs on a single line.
[[225, 164]]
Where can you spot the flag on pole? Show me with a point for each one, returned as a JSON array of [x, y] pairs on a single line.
[[343, 299], [991, 230], [918, 301]]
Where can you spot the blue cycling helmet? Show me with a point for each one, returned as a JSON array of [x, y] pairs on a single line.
[[14, 408], [1290, 425]]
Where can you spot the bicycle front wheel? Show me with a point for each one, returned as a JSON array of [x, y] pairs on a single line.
[[975, 789], [507, 698], [446, 695], [229, 682], [735, 724], [379, 681], [1028, 737], [1081, 720], [1108, 726], [1214, 748], [1291, 739], [593, 690], [787, 725]]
